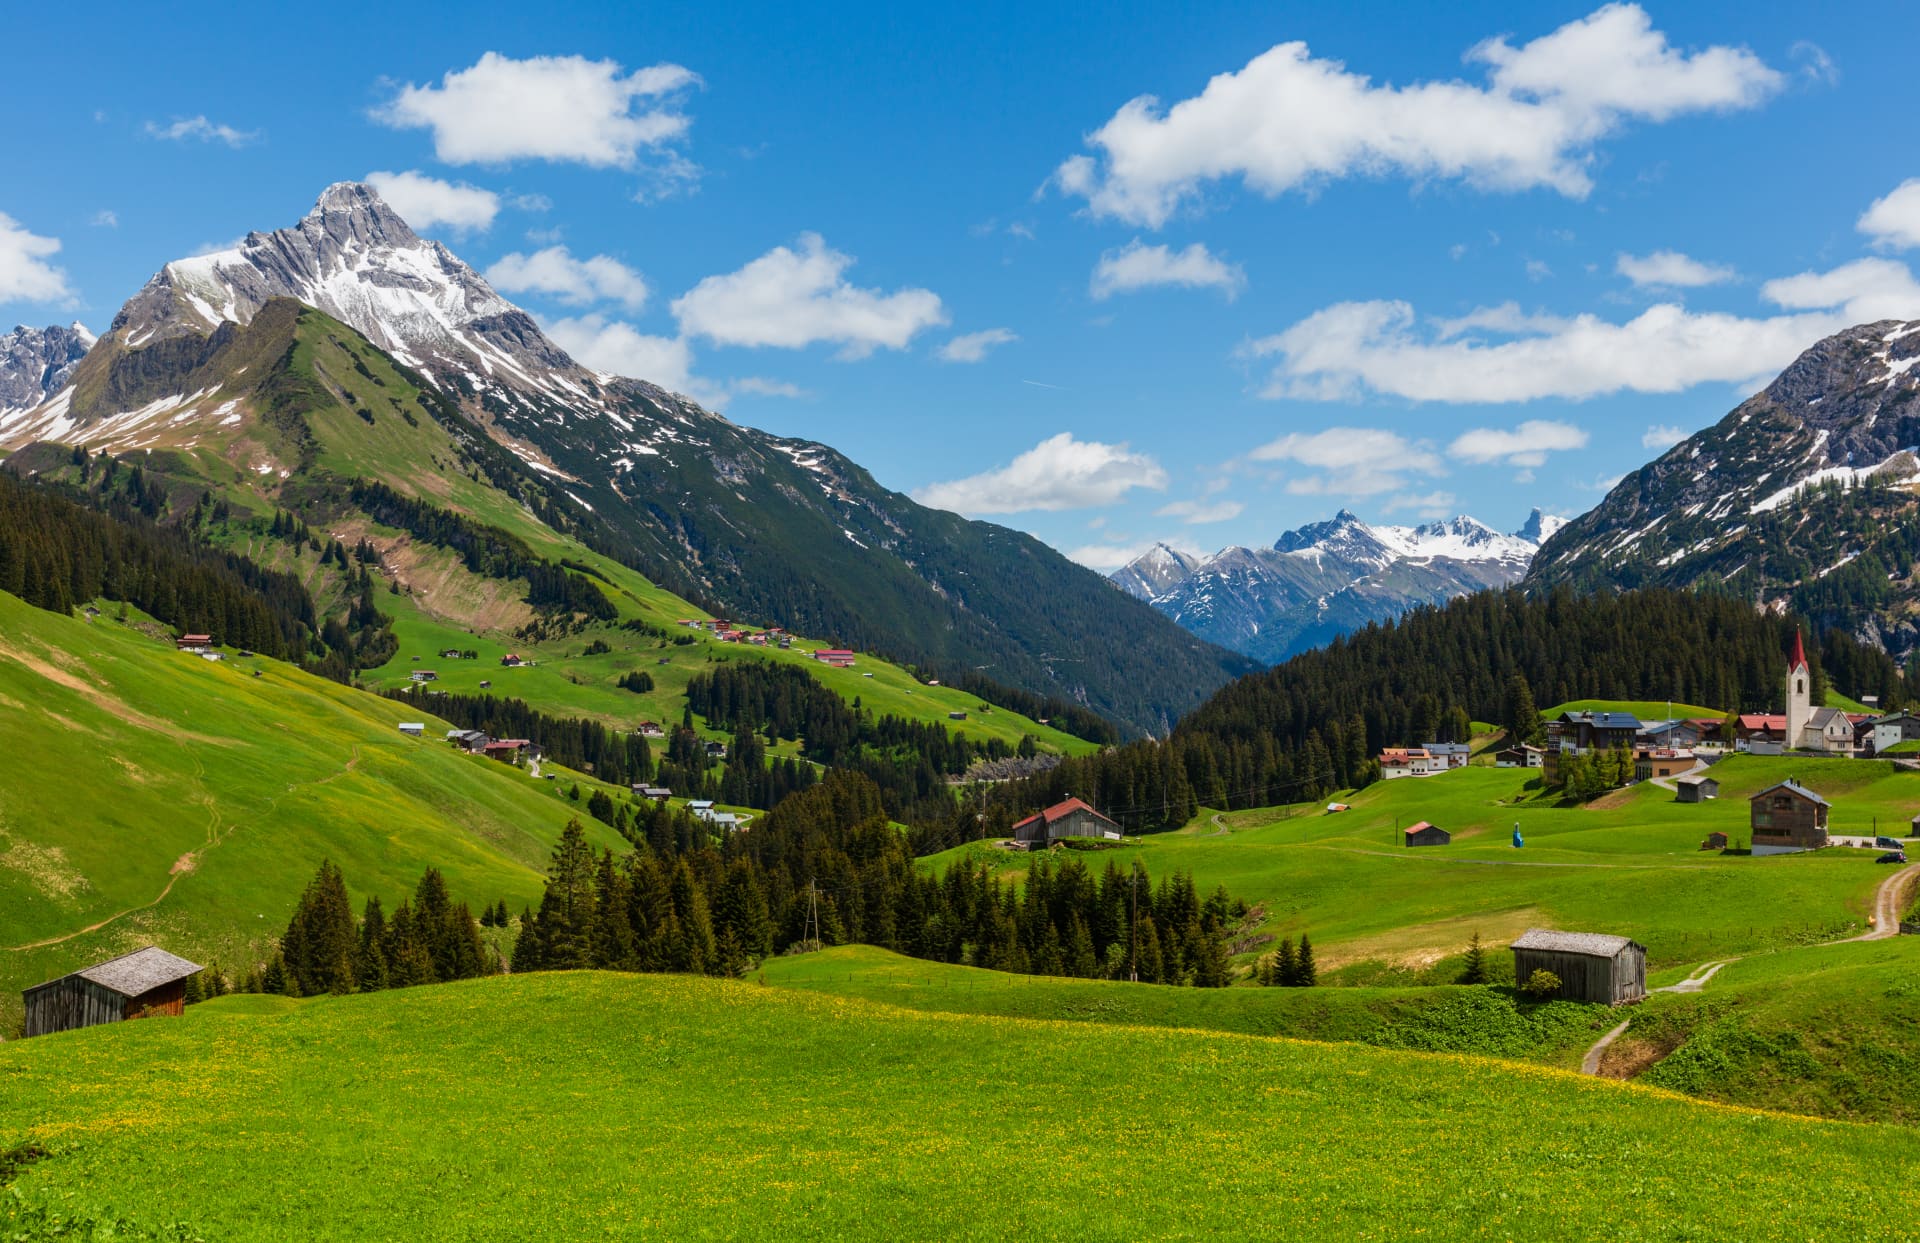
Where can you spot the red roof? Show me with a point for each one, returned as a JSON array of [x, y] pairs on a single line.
[[1419, 827], [507, 744], [196, 638], [1798, 659], [1764, 720], [1058, 810]]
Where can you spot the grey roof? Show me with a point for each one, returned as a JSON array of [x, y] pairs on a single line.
[[1821, 716], [1793, 787], [1599, 944], [139, 972], [1696, 779]]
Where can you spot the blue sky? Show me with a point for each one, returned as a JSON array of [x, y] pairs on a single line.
[[1109, 274]]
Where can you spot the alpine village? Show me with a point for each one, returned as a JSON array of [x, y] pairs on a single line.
[[465, 780]]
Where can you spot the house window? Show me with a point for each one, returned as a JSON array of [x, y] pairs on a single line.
[[1782, 803]]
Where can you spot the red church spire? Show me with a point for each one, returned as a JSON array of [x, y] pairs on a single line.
[[1799, 658]]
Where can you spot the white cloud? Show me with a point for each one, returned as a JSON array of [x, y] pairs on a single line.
[[1893, 220], [564, 109], [428, 202], [200, 129], [1058, 473], [793, 298], [25, 274], [1538, 270], [556, 272], [972, 347], [1289, 120], [1524, 446], [1201, 512], [1109, 557], [1670, 269], [1815, 65], [1865, 290], [1137, 266], [620, 348], [1662, 436], [1352, 348], [105, 219], [1351, 461], [1424, 505]]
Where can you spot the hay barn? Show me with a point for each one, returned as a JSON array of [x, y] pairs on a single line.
[[139, 985], [1591, 966]]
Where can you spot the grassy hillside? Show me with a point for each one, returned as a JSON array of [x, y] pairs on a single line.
[[1628, 863], [154, 796], [674, 1107], [305, 404], [1432, 1018], [1826, 1030]]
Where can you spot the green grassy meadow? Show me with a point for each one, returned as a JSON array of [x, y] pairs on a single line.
[[589, 1105], [155, 796], [1628, 863]]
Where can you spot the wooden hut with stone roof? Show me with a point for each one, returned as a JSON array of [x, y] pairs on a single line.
[[143, 984], [1591, 966]]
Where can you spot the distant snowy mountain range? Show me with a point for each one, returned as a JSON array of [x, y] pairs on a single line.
[[1328, 578], [35, 363]]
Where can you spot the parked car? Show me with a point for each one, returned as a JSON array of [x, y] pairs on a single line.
[[1889, 843], [1893, 856]]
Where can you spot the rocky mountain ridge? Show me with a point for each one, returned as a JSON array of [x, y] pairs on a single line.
[[1803, 496], [36, 363], [1327, 578]]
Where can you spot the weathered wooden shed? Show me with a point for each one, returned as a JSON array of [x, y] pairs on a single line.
[[143, 984], [1071, 818], [1591, 966], [1424, 834], [1787, 817], [1695, 789]]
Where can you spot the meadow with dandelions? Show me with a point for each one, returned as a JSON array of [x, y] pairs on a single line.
[[588, 1105]]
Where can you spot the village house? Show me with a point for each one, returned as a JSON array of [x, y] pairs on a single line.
[[1408, 762], [1890, 731], [658, 794], [1446, 755], [1424, 834], [509, 750], [650, 729], [452, 653], [716, 750], [474, 740], [1671, 735], [1584, 732], [1787, 817], [1695, 789], [956, 716], [511, 661], [1649, 764], [1590, 966], [1526, 755], [193, 642], [144, 984], [413, 728], [839, 658], [424, 675], [1069, 818]]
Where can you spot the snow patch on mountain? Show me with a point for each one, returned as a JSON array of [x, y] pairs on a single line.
[[1327, 578]]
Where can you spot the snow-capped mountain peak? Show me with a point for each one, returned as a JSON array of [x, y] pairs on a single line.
[[1326, 578], [355, 258], [36, 362], [1540, 527]]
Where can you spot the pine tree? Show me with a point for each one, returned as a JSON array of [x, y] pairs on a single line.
[[1305, 973], [1475, 971], [1281, 973], [565, 921]]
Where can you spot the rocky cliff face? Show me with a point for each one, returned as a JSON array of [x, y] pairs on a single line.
[[1325, 579], [1803, 496], [35, 363]]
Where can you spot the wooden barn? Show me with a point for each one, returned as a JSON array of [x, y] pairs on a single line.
[[1424, 834], [1072, 818], [139, 985], [1695, 789], [1591, 966]]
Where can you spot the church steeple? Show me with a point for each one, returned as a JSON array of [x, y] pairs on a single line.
[[1799, 694]]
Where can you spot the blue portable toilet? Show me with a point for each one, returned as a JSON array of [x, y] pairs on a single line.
[[1518, 841]]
